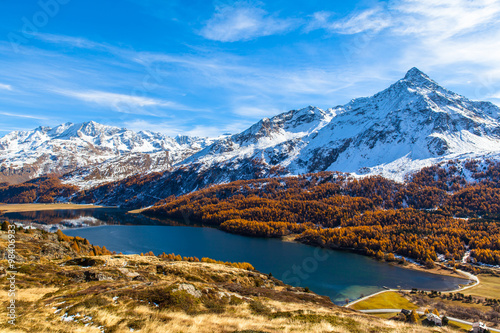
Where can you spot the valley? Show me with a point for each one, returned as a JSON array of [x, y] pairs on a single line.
[[406, 178], [67, 284]]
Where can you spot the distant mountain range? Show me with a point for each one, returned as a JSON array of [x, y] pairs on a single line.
[[91, 153], [412, 124]]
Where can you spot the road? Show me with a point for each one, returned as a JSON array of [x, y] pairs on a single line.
[[421, 313]]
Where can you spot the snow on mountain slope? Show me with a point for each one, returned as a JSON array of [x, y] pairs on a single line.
[[412, 124], [275, 140], [98, 152]]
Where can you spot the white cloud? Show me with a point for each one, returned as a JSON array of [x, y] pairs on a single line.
[[373, 20], [165, 127], [436, 19], [255, 112], [442, 19], [243, 22], [68, 40], [5, 86], [120, 102], [442, 35], [18, 115], [176, 127]]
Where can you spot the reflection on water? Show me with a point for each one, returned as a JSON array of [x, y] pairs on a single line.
[[337, 274], [52, 220]]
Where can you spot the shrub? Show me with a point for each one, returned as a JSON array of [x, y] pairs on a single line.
[[257, 307]]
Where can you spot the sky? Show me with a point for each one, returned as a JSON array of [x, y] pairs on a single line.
[[204, 68]]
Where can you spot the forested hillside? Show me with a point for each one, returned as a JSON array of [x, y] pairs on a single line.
[[444, 209]]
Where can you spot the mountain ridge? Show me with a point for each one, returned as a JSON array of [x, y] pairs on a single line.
[[413, 123], [413, 120], [69, 147]]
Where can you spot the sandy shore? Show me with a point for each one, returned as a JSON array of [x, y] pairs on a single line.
[[14, 208], [438, 270]]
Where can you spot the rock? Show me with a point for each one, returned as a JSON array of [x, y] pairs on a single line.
[[95, 276], [18, 258], [190, 289], [139, 278], [128, 273], [84, 262]]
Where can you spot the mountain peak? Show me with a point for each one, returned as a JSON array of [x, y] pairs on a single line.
[[414, 72], [418, 78]]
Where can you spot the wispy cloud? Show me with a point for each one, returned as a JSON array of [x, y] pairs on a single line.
[[166, 127], [252, 111], [18, 115], [243, 21], [120, 102], [433, 34], [434, 19], [178, 127], [444, 18], [68, 40], [5, 86], [373, 19], [449, 32]]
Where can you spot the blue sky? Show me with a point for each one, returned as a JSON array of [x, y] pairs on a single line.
[[210, 67]]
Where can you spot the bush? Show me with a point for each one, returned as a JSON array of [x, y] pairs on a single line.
[[258, 308], [214, 305]]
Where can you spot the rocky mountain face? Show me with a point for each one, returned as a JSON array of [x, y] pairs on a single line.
[[412, 124], [90, 152]]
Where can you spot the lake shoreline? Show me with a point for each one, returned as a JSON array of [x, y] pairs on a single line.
[[439, 270], [17, 208], [465, 287], [286, 239], [32, 207], [36, 207]]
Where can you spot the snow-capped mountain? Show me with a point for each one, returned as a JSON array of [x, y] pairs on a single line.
[[412, 124], [95, 153]]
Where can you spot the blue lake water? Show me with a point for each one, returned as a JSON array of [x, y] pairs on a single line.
[[338, 274]]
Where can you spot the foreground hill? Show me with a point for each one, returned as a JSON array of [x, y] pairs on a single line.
[[59, 289]]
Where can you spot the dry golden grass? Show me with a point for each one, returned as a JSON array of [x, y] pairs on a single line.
[[30, 295], [120, 318], [488, 287], [58, 296], [15, 208], [387, 300]]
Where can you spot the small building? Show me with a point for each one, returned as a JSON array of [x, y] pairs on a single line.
[[431, 317], [406, 312], [479, 327]]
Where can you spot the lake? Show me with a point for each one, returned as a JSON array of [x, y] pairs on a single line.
[[340, 275]]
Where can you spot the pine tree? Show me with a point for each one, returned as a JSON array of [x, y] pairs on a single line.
[[5, 226], [414, 317]]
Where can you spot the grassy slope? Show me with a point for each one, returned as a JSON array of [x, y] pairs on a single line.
[[12, 208], [387, 300], [119, 292], [489, 287]]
